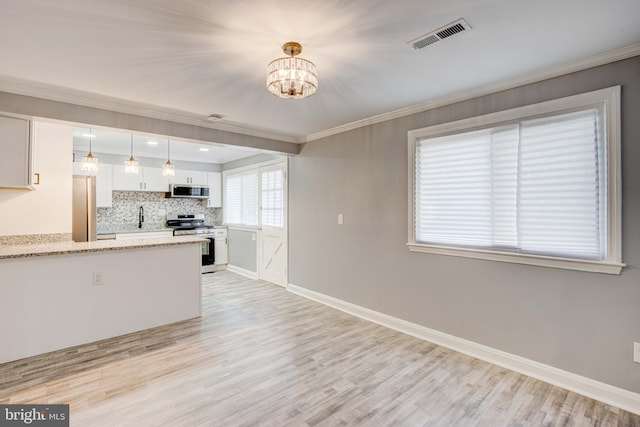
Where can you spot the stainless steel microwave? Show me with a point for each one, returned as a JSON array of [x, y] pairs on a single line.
[[190, 191]]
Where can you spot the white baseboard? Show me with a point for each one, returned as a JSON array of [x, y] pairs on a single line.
[[611, 395], [243, 272]]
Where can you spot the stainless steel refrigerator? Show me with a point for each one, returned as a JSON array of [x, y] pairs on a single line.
[[84, 209]]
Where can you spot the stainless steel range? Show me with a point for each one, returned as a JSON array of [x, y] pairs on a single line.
[[214, 249]]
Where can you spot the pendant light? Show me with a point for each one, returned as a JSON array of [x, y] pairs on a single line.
[[168, 169], [131, 165], [89, 162]]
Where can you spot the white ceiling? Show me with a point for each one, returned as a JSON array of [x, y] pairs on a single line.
[[119, 143], [210, 56]]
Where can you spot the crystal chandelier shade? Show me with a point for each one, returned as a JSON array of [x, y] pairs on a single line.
[[292, 77]]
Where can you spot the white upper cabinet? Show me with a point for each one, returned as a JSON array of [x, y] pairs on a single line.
[[16, 161], [190, 177], [147, 179], [104, 183], [214, 181], [104, 186], [154, 180], [126, 182]]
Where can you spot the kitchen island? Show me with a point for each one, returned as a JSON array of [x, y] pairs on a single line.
[[70, 247], [62, 294]]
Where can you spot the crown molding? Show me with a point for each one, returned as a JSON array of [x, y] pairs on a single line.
[[602, 58], [88, 99]]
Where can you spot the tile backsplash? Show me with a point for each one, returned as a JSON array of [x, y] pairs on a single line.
[[127, 203]]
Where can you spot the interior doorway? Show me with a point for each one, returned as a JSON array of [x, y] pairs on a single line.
[[272, 229]]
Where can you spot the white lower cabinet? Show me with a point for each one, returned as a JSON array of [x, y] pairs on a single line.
[[147, 179], [221, 247], [144, 235]]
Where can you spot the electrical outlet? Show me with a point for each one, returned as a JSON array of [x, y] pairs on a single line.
[[98, 280], [636, 352], [162, 212], [340, 219]]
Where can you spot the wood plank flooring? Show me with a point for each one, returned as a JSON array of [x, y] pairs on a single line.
[[261, 356]]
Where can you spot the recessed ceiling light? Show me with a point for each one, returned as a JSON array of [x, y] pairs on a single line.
[[204, 149], [89, 135], [152, 142]]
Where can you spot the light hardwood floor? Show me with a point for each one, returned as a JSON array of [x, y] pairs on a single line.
[[262, 356]]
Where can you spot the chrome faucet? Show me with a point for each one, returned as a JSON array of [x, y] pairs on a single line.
[[140, 217]]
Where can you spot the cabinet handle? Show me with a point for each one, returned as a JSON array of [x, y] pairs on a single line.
[[37, 175]]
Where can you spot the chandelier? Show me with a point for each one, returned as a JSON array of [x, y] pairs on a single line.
[[292, 77]]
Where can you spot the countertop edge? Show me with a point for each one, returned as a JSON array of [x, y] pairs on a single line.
[[62, 248]]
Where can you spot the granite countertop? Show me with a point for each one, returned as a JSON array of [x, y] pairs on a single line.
[[69, 247], [130, 228]]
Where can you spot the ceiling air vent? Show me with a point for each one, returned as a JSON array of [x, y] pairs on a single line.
[[451, 29]]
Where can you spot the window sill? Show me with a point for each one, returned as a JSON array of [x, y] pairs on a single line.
[[605, 267]]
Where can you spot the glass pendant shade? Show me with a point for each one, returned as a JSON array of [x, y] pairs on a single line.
[[292, 77], [131, 165], [168, 169], [89, 162]]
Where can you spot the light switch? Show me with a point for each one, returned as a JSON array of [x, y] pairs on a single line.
[[98, 280], [340, 219]]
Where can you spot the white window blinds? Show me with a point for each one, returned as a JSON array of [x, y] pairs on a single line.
[[241, 199], [536, 186]]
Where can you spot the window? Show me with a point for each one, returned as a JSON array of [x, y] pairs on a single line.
[[537, 185], [272, 212], [240, 205]]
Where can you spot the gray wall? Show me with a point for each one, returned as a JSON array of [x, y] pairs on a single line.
[[243, 250], [580, 322]]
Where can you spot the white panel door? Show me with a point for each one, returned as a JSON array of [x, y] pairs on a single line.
[[272, 252]]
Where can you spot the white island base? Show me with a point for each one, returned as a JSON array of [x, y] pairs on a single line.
[[53, 302]]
